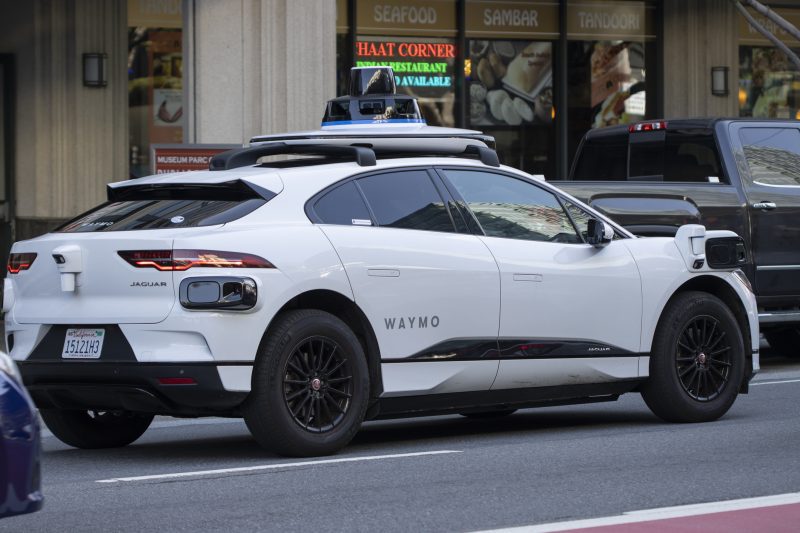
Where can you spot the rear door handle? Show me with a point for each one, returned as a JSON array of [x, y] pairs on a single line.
[[768, 206], [528, 277], [383, 272]]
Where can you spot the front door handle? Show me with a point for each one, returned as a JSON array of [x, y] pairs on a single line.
[[767, 206]]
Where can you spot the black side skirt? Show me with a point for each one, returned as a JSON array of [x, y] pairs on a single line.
[[473, 402]]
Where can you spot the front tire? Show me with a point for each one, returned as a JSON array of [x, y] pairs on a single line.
[[95, 429], [697, 361], [310, 386]]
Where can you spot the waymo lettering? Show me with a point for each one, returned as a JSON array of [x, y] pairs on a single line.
[[411, 322]]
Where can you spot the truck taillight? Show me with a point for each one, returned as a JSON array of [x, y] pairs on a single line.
[[168, 260], [19, 262], [648, 126]]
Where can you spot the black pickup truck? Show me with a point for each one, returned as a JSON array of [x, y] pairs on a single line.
[[737, 174]]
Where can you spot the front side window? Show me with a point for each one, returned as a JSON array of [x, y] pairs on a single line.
[[406, 199], [772, 154], [512, 208]]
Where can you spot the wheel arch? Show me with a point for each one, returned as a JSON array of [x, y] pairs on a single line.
[[351, 314]]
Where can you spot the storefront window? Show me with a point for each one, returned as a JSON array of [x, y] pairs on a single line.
[[423, 68], [512, 79], [769, 84], [611, 47], [509, 79], [155, 78], [415, 38]]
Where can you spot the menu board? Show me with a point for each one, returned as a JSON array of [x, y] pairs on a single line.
[[423, 68], [510, 82]]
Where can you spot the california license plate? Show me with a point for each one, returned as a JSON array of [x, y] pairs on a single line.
[[83, 343]]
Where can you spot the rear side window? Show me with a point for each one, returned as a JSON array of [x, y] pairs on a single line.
[[159, 214], [343, 205], [406, 199], [772, 154]]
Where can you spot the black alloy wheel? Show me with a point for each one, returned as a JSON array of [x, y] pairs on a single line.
[[318, 384], [310, 385], [697, 359], [703, 359]]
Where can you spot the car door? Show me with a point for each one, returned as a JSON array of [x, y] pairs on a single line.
[[771, 178], [431, 293], [570, 312]]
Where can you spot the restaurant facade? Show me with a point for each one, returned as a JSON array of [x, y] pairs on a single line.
[[94, 91]]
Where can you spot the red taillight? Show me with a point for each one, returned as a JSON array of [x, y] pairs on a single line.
[[648, 126], [18, 262], [177, 381], [185, 259]]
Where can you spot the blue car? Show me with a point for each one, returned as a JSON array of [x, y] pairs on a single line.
[[20, 445]]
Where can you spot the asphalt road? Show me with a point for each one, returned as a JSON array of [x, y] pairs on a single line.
[[536, 466]]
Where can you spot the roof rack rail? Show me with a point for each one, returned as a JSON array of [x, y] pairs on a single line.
[[486, 155], [242, 157]]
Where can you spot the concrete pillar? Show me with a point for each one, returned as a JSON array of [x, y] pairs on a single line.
[[70, 140], [698, 36], [243, 54]]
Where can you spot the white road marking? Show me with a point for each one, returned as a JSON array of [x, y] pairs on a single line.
[[776, 382], [647, 515], [275, 466]]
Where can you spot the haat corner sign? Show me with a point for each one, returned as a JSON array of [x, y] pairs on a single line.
[[421, 67]]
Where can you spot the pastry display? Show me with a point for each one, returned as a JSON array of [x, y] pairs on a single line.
[[507, 79], [611, 68], [530, 70]]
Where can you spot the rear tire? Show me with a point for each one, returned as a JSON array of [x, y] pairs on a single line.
[[95, 429], [697, 361], [310, 386], [784, 341]]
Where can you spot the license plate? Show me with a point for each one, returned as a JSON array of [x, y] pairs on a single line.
[[83, 343]]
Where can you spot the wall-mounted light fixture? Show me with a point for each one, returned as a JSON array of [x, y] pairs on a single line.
[[719, 81], [94, 70]]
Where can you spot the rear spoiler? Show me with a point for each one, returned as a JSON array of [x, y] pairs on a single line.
[[229, 190]]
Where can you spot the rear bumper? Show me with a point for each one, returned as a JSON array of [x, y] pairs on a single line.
[[134, 387]]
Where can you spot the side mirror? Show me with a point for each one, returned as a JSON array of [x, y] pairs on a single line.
[[599, 233]]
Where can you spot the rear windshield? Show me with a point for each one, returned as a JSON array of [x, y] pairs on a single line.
[[159, 214], [683, 155]]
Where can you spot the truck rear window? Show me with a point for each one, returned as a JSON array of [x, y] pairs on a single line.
[[130, 215], [688, 155]]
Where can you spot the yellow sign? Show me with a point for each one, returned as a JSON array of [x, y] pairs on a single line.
[[749, 35], [407, 17], [512, 19], [610, 20], [155, 13]]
